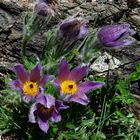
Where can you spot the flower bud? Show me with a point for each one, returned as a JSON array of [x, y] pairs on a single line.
[[115, 36], [46, 7], [72, 28]]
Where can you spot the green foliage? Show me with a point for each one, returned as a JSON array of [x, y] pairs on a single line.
[[124, 89], [91, 51], [29, 63], [5, 118], [134, 76], [49, 88], [104, 117]]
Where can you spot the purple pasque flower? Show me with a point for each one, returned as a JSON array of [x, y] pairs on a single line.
[[46, 7], [29, 84], [44, 109], [115, 36], [72, 28], [71, 87]]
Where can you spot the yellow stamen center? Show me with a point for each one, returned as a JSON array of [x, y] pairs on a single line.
[[68, 87], [30, 88]]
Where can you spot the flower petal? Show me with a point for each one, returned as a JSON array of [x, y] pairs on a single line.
[[46, 100], [21, 73], [44, 126], [35, 73], [42, 115], [112, 32], [32, 117], [55, 116], [83, 31], [119, 43], [87, 86], [78, 73], [59, 105], [50, 101], [80, 98], [63, 71], [16, 84], [27, 99]]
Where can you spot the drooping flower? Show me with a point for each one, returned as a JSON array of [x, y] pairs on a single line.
[[115, 36], [29, 84], [72, 28], [46, 7], [44, 109], [71, 87]]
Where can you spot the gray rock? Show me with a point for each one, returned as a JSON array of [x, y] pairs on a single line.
[[98, 14], [100, 64]]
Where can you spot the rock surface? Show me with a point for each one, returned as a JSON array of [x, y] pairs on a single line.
[[97, 13]]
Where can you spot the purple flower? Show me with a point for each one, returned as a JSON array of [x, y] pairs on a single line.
[[70, 84], [44, 109], [115, 36], [30, 84], [72, 28], [46, 7]]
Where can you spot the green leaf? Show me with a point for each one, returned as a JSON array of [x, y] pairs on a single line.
[[120, 114], [49, 88], [122, 86], [70, 125], [98, 136], [29, 63], [134, 76], [89, 122], [138, 66]]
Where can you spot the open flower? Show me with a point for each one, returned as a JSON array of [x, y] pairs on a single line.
[[30, 84], [46, 7], [70, 84], [115, 36], [44, 109], [72, 28]]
